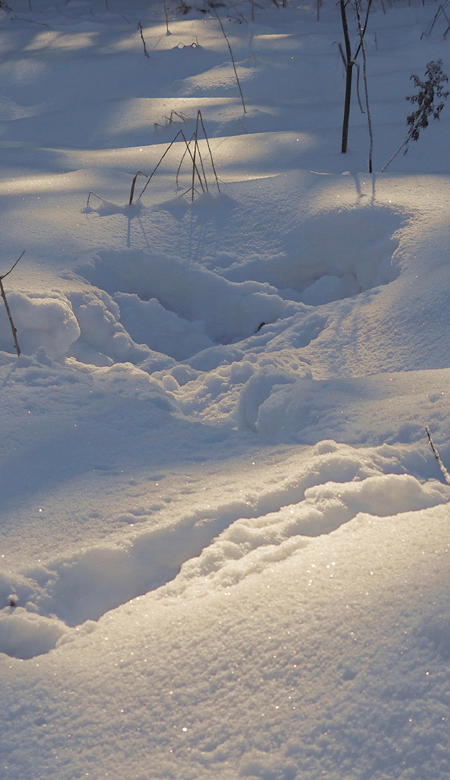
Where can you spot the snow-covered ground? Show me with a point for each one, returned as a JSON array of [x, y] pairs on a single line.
[[224, 536]]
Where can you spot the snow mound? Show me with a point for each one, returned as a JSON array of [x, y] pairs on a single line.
[[102, 338], [41, 320], [25, 635]]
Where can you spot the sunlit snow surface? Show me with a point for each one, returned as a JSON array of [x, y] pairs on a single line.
[[224, 537]]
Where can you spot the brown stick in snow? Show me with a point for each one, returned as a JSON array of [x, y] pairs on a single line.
[[444, 471], [8, 310], [232, 57], [143, 40]]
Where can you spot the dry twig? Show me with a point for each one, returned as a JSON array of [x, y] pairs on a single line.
[[158, 164], [194, 164], [232, 57], [143, 40], [209, 149], [8, 311], [444, 471], [88, 202], [133, 185], [198, 166]]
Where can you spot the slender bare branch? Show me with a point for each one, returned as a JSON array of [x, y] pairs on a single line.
[[232, 57], [159, 163], [186, 151], [366, 86], [342, 55], [202, 166], [444, 471], [209, 149], [133, 184], [95, 196], [8, 310], [183, 156], [358, 95], [143, 40], [12, 267], [182, 160], [363, 29], [195, 152]]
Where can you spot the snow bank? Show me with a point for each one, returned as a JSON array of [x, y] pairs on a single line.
[[86, 325], [216, 546], [389, 407], [25, 635], [42, 321], [251, 544], [321, 664], [101, 332], [81, 324]]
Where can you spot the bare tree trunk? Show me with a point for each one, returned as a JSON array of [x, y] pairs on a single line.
[[349, 62], [348, 76], [347, 101]]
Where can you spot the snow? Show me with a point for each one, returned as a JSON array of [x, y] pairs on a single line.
[[224, 535]]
